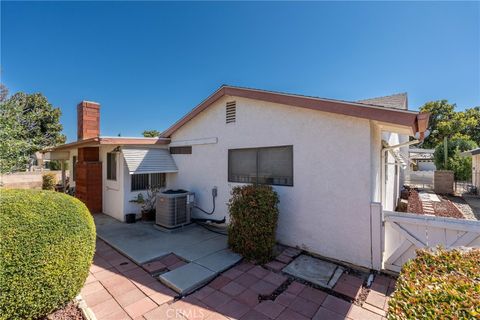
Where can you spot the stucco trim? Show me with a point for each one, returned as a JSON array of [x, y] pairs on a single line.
[[418, 122], [96, 141]]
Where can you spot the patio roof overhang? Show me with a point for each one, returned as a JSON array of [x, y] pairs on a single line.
[[470, 153], [105, 140]]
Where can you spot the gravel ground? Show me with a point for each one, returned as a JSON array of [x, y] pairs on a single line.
[[463, 206], [414, 203], [69, 312], [445, 208]]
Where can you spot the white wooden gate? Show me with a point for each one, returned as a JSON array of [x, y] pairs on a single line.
[[406, 232]]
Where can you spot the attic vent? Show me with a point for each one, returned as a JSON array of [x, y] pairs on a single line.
[[231, 112]]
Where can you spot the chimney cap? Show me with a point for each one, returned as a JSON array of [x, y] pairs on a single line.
[[87, 101]]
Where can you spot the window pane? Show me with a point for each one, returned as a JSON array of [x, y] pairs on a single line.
[[242, 165], [275, 166], [181, 150], [157, 180], [111, 166], [74, 168], [139, 181]]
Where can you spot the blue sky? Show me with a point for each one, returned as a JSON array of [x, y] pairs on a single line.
[[149, 63]]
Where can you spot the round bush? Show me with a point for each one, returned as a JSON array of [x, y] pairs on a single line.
[[48, 181], [438, 284], [47, 242], [253, 222]]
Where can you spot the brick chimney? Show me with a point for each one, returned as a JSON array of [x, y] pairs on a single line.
[[88, 120]]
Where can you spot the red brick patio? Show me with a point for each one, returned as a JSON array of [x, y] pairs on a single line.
[[117, 288]]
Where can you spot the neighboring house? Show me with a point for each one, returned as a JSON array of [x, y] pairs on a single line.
[[475, 154], [331, 162], [422, 159]]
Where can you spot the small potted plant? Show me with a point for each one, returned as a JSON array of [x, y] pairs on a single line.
[[147, 203]]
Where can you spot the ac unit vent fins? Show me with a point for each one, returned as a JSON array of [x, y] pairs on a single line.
[[231, 112]]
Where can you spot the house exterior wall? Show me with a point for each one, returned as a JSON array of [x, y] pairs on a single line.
[[327, 211], [392, 174], [476, 170], [426, 165]]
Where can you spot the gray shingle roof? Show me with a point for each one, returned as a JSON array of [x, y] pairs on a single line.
[[394, 101]]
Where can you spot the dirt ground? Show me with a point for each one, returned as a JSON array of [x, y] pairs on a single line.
[[69, 312]]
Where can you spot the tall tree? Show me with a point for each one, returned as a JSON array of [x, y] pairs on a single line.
[[28, 123], [460, 165], [446, 122], [473, 125], [441, 113], [151, 133], [3, 92]]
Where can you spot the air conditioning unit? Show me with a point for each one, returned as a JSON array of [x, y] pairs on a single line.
[[173, 208]]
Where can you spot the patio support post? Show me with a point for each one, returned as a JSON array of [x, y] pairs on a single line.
[[62, 166], [376, 235]]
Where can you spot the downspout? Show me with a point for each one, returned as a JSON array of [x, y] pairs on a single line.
[[383, 157]]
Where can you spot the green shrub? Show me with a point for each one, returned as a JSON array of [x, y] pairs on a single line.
[[47, 244], [253, 221], [48, 181], [438, 285]]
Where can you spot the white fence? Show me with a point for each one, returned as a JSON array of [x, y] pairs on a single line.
[[404, 233]]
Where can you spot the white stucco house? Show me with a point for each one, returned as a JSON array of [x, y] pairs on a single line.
[[475, 154], [334, 164]]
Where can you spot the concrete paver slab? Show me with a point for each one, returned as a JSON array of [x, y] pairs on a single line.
[[314, 270], [187, 278], [220, 260], [197, 250]]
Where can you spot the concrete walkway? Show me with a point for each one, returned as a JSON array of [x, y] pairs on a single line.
[[117, 289], [141, 242], [474, 203]]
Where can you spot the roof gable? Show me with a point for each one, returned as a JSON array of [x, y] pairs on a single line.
[[361, 110]]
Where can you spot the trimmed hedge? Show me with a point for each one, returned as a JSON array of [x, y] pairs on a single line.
[[253, 222], [47, 242], [48, 181], [438, 285]]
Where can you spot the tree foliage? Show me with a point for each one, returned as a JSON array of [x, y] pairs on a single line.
[[460, 165], [446, 122], [3, 92], [151, 133], [28, 123]]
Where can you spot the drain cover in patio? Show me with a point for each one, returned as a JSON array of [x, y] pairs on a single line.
[[316, 271]]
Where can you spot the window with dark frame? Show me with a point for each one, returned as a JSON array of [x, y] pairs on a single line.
[[74, 168], [181, 150], [143, 181], [112, 166], [268, 165]]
